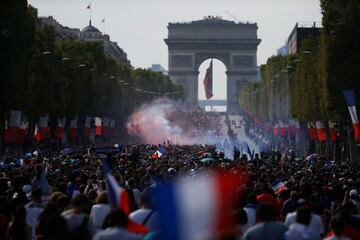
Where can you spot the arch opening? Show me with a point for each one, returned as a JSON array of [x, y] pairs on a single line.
[[218, 102]]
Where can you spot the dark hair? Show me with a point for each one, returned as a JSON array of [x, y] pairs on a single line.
[[241, 217], [265, 212], [146, 199], [337, 225], [18, 228], [303, 216], [63, 202], [36, 193], [115, 218], [79, 201]]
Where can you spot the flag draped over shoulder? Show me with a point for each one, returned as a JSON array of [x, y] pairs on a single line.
[[208, 81], [350, 101]]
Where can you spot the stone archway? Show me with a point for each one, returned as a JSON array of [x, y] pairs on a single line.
[[234, 44]]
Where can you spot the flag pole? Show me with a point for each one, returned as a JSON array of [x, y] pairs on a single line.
[[89, 12], [104, 25]]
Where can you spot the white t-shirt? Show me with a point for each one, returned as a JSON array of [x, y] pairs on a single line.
[[116, 233], [141, 214], [32, 216], [315, 225], [98, 214], [251, 215]]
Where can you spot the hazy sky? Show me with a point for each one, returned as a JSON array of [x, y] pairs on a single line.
[[139, 26]]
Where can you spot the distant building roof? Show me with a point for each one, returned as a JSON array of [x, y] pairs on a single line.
[[90, 29]]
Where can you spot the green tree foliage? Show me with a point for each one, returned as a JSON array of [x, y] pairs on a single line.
[[67, 78], [340, 53], [16, 29]]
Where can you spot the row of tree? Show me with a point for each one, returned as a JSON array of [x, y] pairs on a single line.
[[42, 75], [308, 85]]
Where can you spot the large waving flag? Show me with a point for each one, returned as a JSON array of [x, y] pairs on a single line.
[[208, 81], [350, 101], [118, 197], [186, 214]]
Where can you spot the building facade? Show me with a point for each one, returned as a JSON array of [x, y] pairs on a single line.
[[299, 33], [88, 33], [235, 44]]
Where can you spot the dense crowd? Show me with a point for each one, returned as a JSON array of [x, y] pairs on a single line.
[[48, 195], [197, 122]]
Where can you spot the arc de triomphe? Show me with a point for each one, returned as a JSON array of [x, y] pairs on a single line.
[[190, 44]]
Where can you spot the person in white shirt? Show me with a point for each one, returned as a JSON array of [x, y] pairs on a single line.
[[315, 224], [99, 211], [299, 230], [116, 223], [77, 220], [34, 209], [145, 215]]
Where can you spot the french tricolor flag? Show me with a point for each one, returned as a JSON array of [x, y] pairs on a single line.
[[119, 198], [197, 208], [278, 186], [350, 101]]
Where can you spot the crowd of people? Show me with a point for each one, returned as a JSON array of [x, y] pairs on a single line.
[[197, 122], [47, 195]]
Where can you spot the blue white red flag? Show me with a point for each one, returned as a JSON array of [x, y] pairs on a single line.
[[197, 208], [350, 101], [118, 196], [278, 186]]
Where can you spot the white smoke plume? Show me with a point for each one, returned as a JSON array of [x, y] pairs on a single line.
[[155, 122]]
